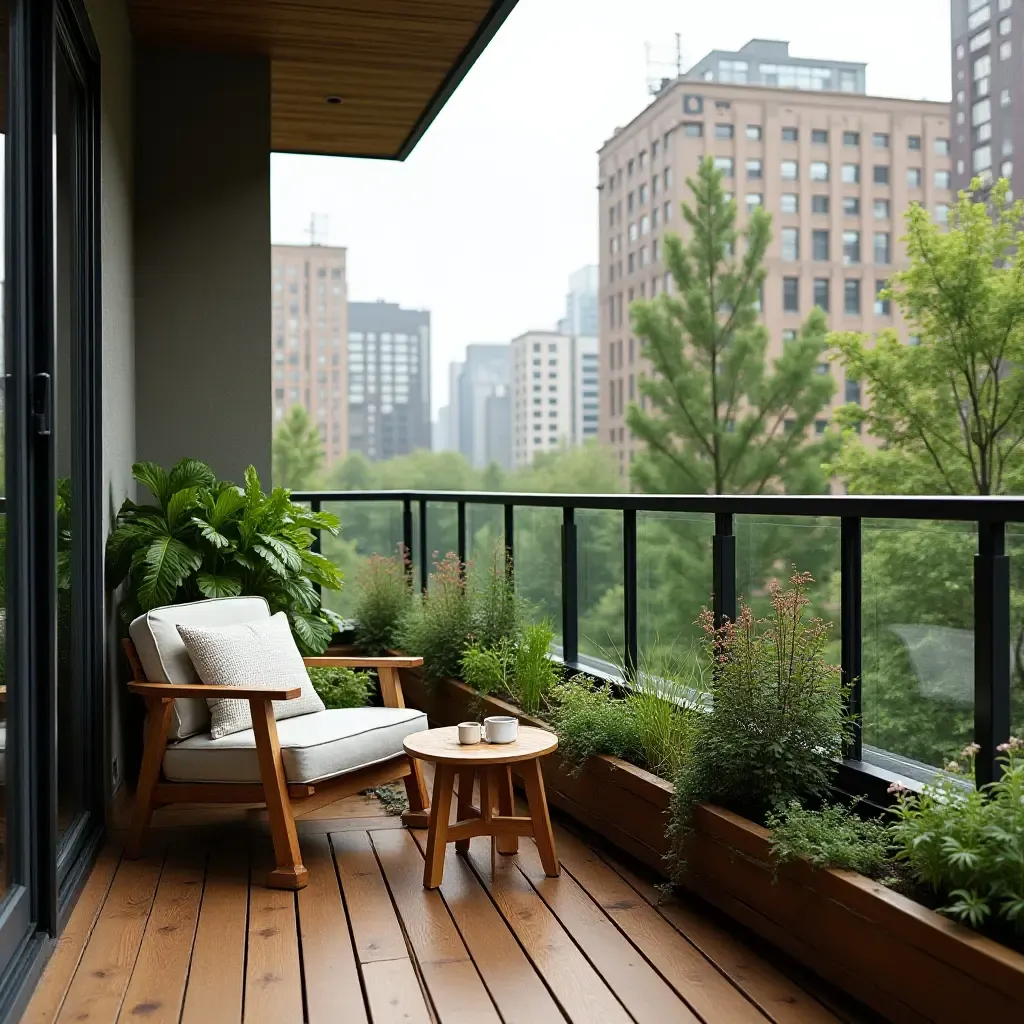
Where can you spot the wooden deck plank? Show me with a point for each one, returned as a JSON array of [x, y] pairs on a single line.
[[780, 998], [99, 984], [56, 980], [333, 989], [394, 993], [216, 980], [273, 978], [643, 992], [355, 806], [708, 992], [579, 989], [517, 990], [453, 982], [157, 987]]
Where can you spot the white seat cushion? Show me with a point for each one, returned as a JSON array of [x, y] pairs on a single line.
[[313, 747], [165, 659]]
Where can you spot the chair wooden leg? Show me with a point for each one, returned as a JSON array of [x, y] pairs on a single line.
[[506, 807], [542, 834], [465, 804], [437, 835], [158, 717], [290, 872], [416, 791]]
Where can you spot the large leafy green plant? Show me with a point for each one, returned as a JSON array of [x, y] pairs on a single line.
[[205, 538]]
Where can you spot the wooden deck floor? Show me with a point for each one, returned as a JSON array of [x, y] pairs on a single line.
[[190, 934]]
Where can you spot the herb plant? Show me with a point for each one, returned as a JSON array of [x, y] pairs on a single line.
[[496, 610], [384, 599], [832, 837], [438, 628], [204, 538], [534, 673], [589, 720], [489, 669]]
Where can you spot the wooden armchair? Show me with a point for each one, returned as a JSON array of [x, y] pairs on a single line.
[[271, 785]]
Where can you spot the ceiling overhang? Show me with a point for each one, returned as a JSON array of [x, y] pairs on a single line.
[[361, 78]]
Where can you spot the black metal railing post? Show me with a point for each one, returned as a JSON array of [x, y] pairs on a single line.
[[631, 642], [407, 536], [460, 534], [850, 628], [723, 553], [315, 507], [510, 538], [570, 590], [424, 558], [991, 648]]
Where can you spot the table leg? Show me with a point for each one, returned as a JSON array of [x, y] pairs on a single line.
[[437, 830], [465, 804], [506, 807], [542, 833]]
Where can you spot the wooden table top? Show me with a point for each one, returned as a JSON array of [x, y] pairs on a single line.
[[442, 746]]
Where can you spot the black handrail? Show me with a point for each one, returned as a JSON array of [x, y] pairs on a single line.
[[992, 668]]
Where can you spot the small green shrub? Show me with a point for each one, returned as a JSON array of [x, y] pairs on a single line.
[[439, 625], [489, 669], [534, 673], [662, 724], [589, 720], [496, 610], [383, 601], [833, 837], [968, 845], [342, 687]]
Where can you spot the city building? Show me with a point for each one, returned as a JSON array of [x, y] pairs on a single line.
[[554, 392], [482, 430], [836, 171], [767, 62], [389, 379], [308, 331], [581, 303], [988, 89]]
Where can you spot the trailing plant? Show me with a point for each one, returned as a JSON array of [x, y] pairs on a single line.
[[777, 718], [392, 798], [342, 687], [496, 610], [383, 600], [832, 837], [204, 538], [439, 625], [534, 672], [968, 844]]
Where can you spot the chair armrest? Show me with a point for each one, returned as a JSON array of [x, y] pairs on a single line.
[[219, 692], [382, 662]]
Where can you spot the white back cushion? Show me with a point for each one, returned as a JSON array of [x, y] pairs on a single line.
[[165, 659]]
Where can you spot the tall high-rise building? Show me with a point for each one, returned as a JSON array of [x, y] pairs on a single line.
[[484, 376], [836, 170], [554, 393], [309, 328], [581, 303], [389, 379], [988, 89]]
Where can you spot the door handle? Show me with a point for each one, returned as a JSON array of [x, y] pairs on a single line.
[[42, 404]]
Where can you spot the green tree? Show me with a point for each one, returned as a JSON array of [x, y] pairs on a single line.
[[297, 452], [722, 420]]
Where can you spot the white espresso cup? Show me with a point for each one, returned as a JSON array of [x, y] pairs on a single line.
[[469, 732], [501, 729]]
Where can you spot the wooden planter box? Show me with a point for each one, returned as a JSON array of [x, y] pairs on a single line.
[[896, 956]]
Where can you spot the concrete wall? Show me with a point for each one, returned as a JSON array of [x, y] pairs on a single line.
[[202, 260]]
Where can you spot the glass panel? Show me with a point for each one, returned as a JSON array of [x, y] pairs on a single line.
[[442, 530], [600, 585], [7, 679], [918, 599], [538, 564], [1015, 549], [484, 529]]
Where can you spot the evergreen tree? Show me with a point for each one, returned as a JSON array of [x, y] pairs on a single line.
[[297, 454], [720, 420]]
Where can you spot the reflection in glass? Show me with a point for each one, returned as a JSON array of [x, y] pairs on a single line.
[[600, 584]]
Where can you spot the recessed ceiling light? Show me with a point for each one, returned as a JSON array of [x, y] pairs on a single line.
[[333, 99]]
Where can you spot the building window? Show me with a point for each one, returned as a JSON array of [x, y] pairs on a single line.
[[852, 391], [1005, 49], [1007, 147], [819, 245], [851, 206], [789, 170], [913, 142], [882, 251], [667, 213], [942, 179], [982, 66], [724, 164], [643, 194], [1004, 97], [881, 209], [1006, 169], [941, 213], [1004, 26], [960, 52], [754, 132], [819, 204], [790, 244], [847, 80], [723, 131], [819, 170], [693, 129], [753, 170], [754, 199], [880, 140], [851, 138], [942, 147], [851, 247], [788, 335], [882, 305], [978, 15], [791, 294], [667, 178], [851, 297], [790, 202], [880, 175], [790, 134], [851, 174], [819, 136], [914, 177], [981, 39], [981, 159], [643, 159], [821, 292], [983, 133]]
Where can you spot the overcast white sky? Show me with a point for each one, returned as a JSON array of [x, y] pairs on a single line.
[[497, 205]]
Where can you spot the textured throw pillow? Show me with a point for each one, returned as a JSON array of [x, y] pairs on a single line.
[[261, 653]]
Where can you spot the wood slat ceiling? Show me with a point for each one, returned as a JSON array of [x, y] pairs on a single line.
[[393, 62]]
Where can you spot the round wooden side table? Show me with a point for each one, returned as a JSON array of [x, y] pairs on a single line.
[[491, 764]]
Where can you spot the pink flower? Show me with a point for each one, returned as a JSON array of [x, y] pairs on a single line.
[[898, 789], [971, 750]]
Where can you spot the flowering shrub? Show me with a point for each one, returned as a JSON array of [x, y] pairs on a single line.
[[968, 845], [384, 600]]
